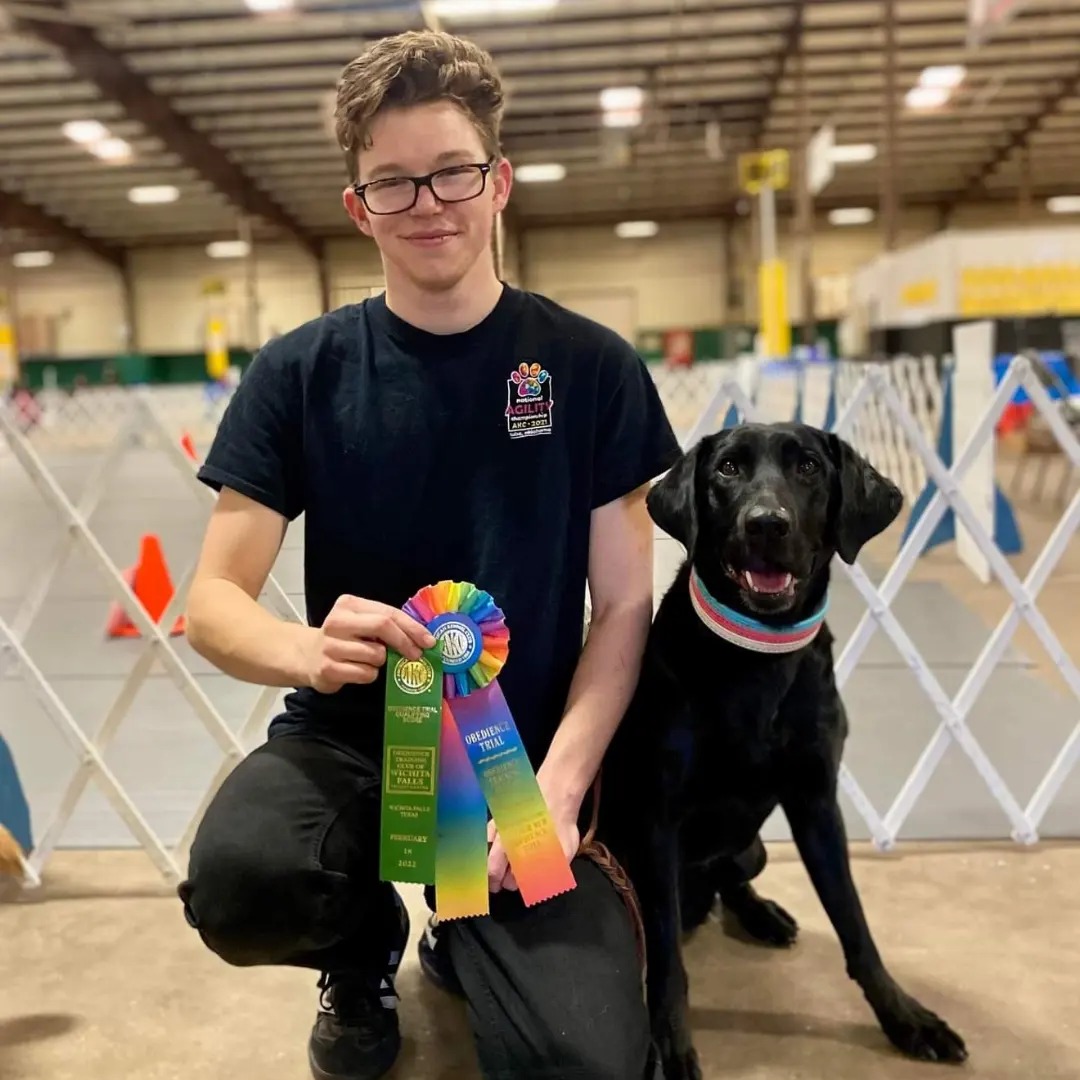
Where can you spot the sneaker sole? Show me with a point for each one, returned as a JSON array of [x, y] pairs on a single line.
[[380, 1065]]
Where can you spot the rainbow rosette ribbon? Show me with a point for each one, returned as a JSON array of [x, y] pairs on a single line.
[[451, 752]]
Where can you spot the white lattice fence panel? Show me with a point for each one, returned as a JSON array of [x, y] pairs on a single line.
[[686, 391], [873, 406], [875, 431], [91, 417], [134, 415]]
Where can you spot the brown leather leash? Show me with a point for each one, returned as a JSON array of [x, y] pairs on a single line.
[[591, 848]]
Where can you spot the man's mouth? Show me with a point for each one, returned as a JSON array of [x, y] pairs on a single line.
[[430, 239], [760, 578]]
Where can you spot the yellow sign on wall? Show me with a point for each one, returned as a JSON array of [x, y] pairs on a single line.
[[1046, 288], [919, 293], [771, 168]]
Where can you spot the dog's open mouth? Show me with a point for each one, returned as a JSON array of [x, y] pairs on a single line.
[[759, 578]]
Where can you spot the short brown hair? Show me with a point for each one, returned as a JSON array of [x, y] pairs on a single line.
[[414, 68]]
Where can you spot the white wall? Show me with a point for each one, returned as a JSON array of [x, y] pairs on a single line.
[[676, 278]]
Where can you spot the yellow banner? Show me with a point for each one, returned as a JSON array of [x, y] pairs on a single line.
[[217, 349], [1047, 288], [772, 304]]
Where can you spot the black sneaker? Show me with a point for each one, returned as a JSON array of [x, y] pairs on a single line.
[[356, 1034], [435, 959]]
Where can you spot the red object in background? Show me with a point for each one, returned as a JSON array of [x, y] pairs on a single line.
[[678, 348], [1015, 417], [149, 579]]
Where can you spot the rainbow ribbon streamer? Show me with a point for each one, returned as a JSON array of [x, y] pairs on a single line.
[[477, 757]]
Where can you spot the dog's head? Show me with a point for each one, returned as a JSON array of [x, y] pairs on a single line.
[[762, 508]]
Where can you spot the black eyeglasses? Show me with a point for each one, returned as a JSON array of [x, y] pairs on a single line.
[[396, 194]]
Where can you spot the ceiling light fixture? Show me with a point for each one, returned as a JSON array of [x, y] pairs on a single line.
[[851, 215], [636, 230], [27, 260], [112, 149], [926, 97], [540, 174], [154, 194], [263, 7], [617, 98], [85, 132], [228, 249], [853, 153], [943, 75], [1064, 204]]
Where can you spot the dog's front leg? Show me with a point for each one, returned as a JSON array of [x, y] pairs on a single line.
[[818, 829], [657, 886]]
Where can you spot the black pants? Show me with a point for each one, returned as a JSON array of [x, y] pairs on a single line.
[[284, 870]]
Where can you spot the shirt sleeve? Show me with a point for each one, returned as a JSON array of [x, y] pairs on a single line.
[[258, 447], [634, 440]]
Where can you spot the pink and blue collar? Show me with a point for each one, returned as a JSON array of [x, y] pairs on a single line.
[[749, 633]]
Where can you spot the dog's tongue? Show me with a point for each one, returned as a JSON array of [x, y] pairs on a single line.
[[768, 581]]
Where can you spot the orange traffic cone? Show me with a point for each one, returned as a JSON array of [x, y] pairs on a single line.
[[188, 446], [150, 581]]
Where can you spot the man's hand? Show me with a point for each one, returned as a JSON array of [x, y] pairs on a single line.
[[564, 808], [351, 644]]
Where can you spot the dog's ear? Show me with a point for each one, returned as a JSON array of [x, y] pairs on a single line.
[[672, 500], [866, 502]]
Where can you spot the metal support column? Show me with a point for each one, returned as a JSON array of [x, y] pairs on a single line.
[[1025, 201], [889, 159], [804, 206]]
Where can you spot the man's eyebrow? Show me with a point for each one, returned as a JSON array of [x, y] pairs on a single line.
[[445, 158]]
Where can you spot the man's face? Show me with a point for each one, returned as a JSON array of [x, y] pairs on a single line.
[[434, 243]]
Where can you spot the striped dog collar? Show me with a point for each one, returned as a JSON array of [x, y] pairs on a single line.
[[750, 633]]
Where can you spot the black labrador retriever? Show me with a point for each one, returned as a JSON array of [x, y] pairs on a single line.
[[737, 712]]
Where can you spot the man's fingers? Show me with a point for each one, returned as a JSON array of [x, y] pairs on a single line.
[[337, 673], [497, 866], [394, 629], [345, 651]]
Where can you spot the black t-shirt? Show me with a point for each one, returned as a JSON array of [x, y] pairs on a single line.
[[417, 457]]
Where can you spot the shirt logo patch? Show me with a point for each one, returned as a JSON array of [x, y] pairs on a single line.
[[529, 401]]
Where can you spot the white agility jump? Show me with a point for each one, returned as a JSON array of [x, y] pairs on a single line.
[[140, 422], [886, 410]]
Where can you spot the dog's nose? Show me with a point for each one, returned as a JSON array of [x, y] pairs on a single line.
[[768, 522]]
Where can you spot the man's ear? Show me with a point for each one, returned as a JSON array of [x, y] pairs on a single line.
[[866, 503], [672, 500]]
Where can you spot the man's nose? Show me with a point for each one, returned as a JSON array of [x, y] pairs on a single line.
[[426, 201], [767, 522]]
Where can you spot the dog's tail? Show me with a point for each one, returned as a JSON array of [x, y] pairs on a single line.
[[11, 854]]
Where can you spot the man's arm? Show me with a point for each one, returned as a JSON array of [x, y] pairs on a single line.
[[621, 589], [226, 624], [229, 627]]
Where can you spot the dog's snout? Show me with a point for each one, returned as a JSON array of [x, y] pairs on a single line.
[[768, 522]]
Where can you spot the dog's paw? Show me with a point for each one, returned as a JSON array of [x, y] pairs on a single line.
[[763, 920], [916, 1031], [677, 1054]]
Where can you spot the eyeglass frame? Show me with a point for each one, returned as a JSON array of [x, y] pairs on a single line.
[[427, 181]]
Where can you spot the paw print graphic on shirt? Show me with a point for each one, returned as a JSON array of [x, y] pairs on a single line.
[[528, 378]]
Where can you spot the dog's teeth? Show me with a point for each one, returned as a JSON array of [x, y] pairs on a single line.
[[768, 583]]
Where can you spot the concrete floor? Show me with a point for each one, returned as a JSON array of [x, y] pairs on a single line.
[[103, 979]]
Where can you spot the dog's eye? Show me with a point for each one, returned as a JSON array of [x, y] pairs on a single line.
[[808, 466], [729, 467]]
